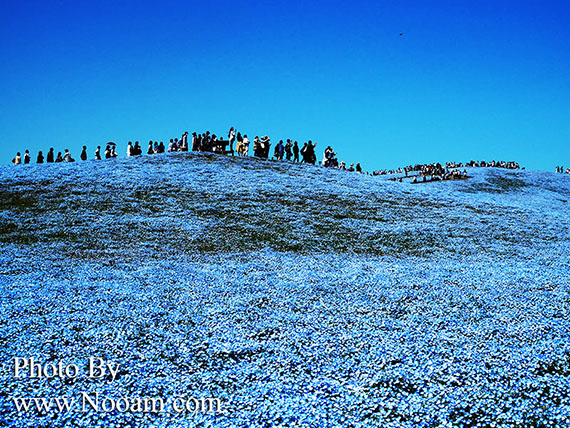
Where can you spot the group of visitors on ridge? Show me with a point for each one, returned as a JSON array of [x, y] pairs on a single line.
[[450, 171], [560, 169], [428, 169], [66, 157], [207, 142], [283, 150]]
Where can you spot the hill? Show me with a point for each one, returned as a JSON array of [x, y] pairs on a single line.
[[298, 295]]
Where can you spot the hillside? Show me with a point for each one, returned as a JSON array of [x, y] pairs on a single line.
[[293, 293]]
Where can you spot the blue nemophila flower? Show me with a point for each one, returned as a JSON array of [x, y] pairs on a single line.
[[301, 297]]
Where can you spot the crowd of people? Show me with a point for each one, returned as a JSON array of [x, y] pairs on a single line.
[[438, 172], [289, 150], [207, 142], [440, 175], [493, 164], [49, 158], [560, 170], [438, 169]]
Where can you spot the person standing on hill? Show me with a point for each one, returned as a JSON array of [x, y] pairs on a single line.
[[328, 157], [308, 153], [288, 152], [130, 149], [40, 158], [98, 153], [303, 151], [59, 158], [231, 138], [27, 157], [50, 156], [67, 157], [245, 145], [265, 144], [295, 152], [83, 155], [17, 159], [257, 147], [150, 149], [239, 143], [313, 157], [279, 150]]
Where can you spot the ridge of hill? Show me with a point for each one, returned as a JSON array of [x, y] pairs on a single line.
[[204, 202]]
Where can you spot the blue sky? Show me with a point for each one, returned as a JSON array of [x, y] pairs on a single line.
[[467, 80]]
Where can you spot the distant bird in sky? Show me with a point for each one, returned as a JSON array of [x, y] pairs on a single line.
[[401, 34]]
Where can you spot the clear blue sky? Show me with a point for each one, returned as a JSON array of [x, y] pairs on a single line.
[[468, 79]]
